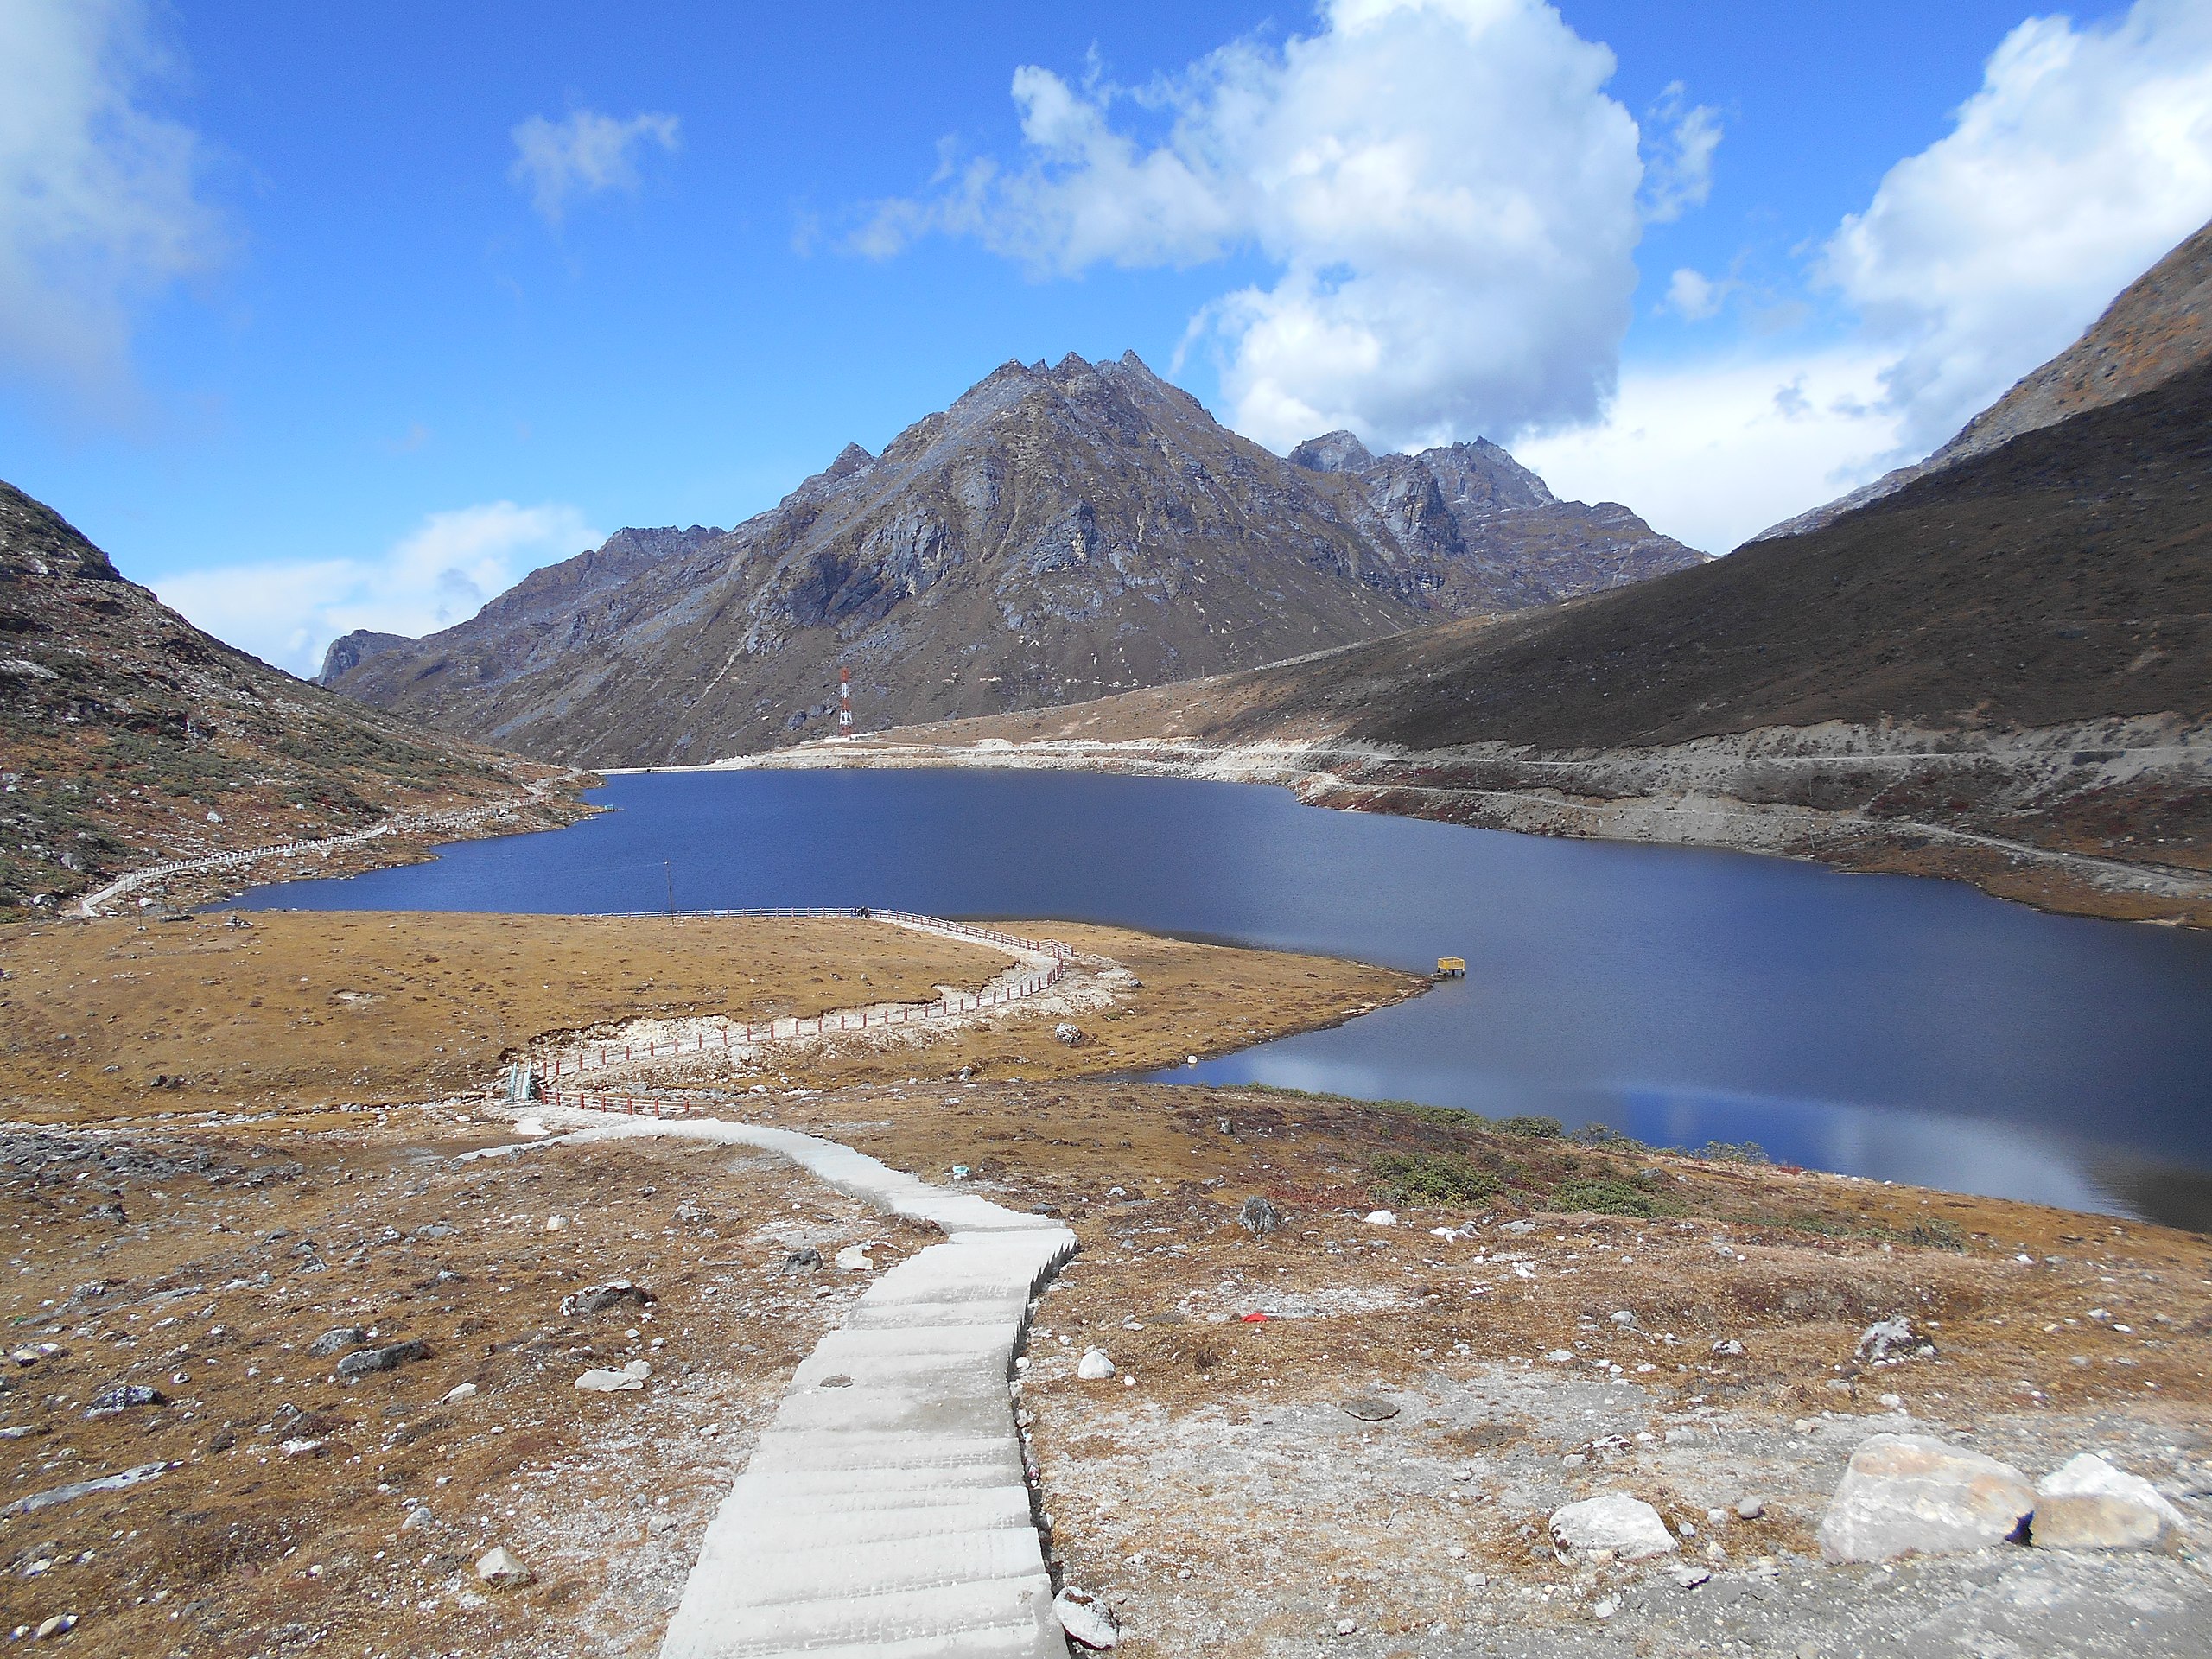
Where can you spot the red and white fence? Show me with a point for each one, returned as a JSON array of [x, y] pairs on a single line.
[[769, 1031]]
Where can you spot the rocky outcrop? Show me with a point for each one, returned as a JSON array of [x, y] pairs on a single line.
[[1060, 532], [1466, 529]]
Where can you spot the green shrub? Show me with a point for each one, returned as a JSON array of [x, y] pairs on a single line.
[[1540, 1128], [1935, 1236], [1734, 1152], [1433, 1178], [1607, 1196]]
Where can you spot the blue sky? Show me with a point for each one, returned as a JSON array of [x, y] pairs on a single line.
[[319, 318]]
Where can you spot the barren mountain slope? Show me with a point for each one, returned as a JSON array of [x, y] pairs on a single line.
[[129, 737], [2002, 671], [1057, 533], [2160, 325]]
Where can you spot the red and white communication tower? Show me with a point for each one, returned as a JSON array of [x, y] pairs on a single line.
[[845, 704]]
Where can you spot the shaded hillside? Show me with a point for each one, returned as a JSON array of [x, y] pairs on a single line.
[[1059, 532], [2064, 577], [2160, 326], [129, 737]]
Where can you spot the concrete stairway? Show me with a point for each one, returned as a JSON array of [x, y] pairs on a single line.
[[885, 1511]]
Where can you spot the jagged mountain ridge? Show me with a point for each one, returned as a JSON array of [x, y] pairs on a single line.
[[128, 736], [1057, 533], [2159, 326]]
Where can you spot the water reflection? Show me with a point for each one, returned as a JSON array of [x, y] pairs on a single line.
[[1906, 1030]]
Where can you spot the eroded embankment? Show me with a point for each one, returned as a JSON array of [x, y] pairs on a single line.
[[2104, 819]]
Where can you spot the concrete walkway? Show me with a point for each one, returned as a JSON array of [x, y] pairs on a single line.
[[886, 1510]]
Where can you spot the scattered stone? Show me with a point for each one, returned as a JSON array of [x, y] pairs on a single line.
[[595, 1299], [557, 1224], [1687, 1577], [1750, 1509], [1382, 1218], [26, 1355], [498, 1567], [1094, 1366], [1370, 1408], [2087, 1504], [303, 1448], [390, 1358], [1259, 1216], [855, 1258], [60, 1625], [419, 1519], [1729, 1349], [1088, 1621], [123, 1396], [1068, 1033], [335, 1342], [1623, 1318], [1605, 1608], [631, 1376], [804, 1258], [459, 1392], [1884, 1337], [1910, 1493], [1347, 1627], [1627, 1526]]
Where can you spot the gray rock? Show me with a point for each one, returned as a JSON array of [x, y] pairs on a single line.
[[1884, 1337], [336, 1342], [1259, 1216], [1094, 1366], [1750, 1509], [804, 1258], [1627, 1526], [1729, 1349], [123, 1396], [1905, 1494], [2087, 1504], [498, 1567], [595, 1299], [1088, 1621], [390, 1358], [1068, 1033]]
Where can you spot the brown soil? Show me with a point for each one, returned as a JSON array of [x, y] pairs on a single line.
[[305, 1009]]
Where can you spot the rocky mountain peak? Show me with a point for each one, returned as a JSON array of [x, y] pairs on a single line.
[[1332, 452]]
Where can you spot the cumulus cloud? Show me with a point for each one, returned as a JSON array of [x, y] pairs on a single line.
[[439, 574], [1713, 453], [559, 160], [1694, 297], [2084, 155], [99, 204], [1447, 198]]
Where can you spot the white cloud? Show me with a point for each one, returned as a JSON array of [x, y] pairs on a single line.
[[439, 574], [2085, 154], [1447, 195], [557, 161], [98, 202], [1715, 452], [1694, 297], [1678, 174]]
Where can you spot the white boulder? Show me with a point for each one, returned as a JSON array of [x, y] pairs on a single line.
[[855, 1258], [1382, 1218], [1905, 1494], [499, 1568], [1088, 1621], [1627, 1526], [1094, 1366], [2087, 1504], [631, 1376]]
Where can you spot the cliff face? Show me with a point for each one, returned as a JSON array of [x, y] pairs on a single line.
[[130, 737], [1059, 533], [2160, 326]]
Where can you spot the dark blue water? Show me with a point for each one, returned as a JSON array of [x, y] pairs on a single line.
[[1908, 1030]]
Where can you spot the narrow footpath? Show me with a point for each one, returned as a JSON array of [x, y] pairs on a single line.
[[886, 1510]]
